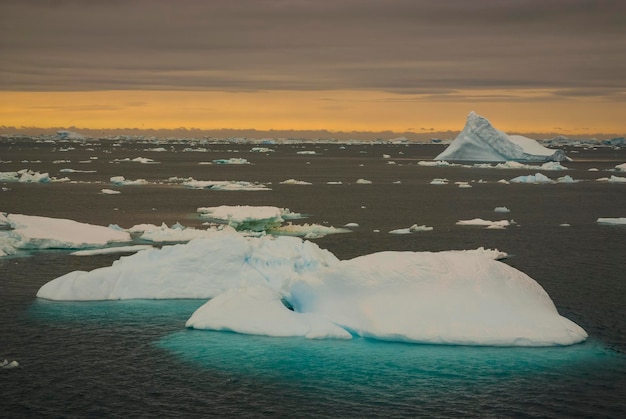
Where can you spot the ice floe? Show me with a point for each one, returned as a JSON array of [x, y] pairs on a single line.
[[8, 365], [294, 182], [225, 185], [485, 223], [29, 176], [612, 221], [536, 178], [122, 181], [232, 160], [612, 179], [413, 229], [29, 232], [246, 217], [307, 231], [142, 160]]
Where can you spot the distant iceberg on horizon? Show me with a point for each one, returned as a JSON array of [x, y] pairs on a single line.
[[480, 141]]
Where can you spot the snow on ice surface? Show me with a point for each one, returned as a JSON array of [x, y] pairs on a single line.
[[446, 298], [453, 297], [259, 311], [480, 141], [202, 268], [34, 232]]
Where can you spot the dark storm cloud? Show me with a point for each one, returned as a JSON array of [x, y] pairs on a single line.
[[410, 46]]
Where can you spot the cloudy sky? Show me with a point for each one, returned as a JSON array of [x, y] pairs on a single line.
[[367, 65]]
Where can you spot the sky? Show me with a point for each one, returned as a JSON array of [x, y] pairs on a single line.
[[339, 65]]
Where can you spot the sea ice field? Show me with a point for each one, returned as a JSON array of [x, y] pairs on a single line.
[[197, 278]]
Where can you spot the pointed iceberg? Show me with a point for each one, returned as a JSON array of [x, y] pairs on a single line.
[[480, 141]]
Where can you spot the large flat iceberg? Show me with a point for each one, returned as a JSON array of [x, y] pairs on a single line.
[[480, 141], [286, 286], [35, 232]]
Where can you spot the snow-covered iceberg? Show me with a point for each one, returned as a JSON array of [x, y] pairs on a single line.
[[285, 286], [480, 141], [29, 232]]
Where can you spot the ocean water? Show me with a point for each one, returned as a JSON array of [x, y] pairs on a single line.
[[136, 359]]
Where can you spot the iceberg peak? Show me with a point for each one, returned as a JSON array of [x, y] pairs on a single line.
[[480, 141]]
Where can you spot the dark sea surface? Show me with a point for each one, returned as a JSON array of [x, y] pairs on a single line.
[[136, 359]]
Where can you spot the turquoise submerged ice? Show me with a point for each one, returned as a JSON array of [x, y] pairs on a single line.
[[285, 286]]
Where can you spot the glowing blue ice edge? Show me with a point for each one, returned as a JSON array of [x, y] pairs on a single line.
[[285, 359], [362, 359]]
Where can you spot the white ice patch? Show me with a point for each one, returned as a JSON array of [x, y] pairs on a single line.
[[485, 223], [8, 365], [612, 221], [232, 160], [439, 181], [76, 171], [536, 178], [142, 160], [29, 176], [106, 191], [122, 181], [413, 229], [307, 231], [294, 182], [225, 185]]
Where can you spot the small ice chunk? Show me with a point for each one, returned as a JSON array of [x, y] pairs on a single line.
[[612, 221]]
